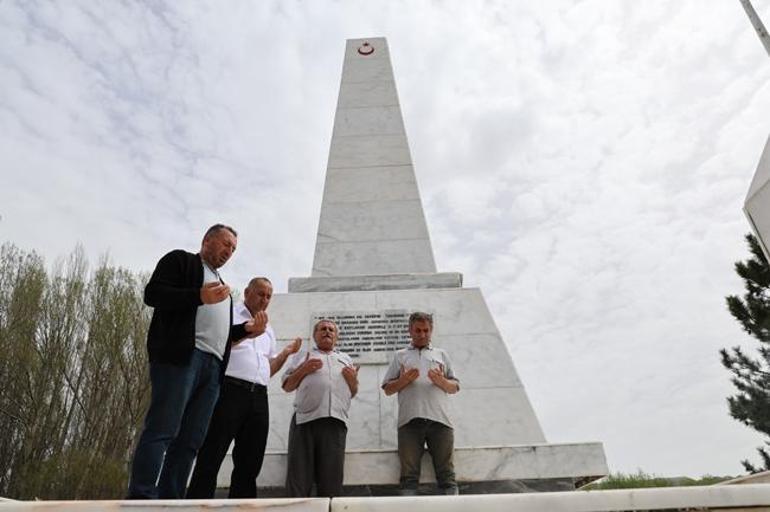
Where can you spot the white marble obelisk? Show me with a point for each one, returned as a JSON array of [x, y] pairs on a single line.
[[371, 216], [373, 266], [757, 205]]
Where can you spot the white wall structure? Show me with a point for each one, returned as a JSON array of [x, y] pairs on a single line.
[[373, 266], [757, 205]]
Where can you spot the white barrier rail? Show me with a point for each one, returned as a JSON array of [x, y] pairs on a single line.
[[722, 498], [714, 498], [267, 505]]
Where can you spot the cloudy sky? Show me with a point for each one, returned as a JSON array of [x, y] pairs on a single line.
[[584, 163]]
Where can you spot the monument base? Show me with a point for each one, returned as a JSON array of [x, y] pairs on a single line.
[[465, 488], [497, 435], [486, 470]]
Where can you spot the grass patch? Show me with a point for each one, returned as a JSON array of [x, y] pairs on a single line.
[[640, 479]]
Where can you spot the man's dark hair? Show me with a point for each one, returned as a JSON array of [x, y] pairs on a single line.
[[419, 316], [216, 228]]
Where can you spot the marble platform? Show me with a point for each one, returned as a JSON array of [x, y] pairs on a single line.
[[572, 463]]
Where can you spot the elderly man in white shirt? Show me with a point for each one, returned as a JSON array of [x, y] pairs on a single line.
[[242, 410], [325, 380]]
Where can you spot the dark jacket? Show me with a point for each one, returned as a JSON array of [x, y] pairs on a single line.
[[174, 291]]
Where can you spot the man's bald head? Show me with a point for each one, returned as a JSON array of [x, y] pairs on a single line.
[[257, 294]]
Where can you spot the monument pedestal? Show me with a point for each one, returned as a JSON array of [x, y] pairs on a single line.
[[491, 470], [500, 446]]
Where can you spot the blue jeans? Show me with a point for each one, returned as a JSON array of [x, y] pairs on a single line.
[[182, 402]]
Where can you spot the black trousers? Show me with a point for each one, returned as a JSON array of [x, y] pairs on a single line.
[[241, 414], [316, 454], [440, 439]]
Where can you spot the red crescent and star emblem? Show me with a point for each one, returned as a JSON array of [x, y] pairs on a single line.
[[366, 49]]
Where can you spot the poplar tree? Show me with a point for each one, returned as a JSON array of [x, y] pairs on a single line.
[[73, 375], [751, 372]]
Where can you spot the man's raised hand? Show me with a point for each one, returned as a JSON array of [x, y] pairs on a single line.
[[310, 365], [307, 367], [257, 325], [351, 374], [294, 346], [408, 376], [437, 377], [214, 292]]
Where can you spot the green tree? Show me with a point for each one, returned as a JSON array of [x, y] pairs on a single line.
[[751, 372], [73, 376]]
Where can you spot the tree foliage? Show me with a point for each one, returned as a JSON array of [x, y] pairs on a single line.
[[73, 376], [751, 372]]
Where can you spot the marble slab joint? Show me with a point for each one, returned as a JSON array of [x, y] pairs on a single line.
[[376, 282]]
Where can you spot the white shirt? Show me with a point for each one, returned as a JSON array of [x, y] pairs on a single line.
[[250, 359], [325, 392]]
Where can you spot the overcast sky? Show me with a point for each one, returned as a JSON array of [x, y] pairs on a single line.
[[584, 163]]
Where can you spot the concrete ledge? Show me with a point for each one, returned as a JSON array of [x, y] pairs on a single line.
[[269, 505], [722, 498], [375, 282], [485, 464]]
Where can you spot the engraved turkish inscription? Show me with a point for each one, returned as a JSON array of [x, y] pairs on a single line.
[[364, 332]]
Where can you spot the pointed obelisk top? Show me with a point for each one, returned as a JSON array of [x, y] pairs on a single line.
[[372, 221]]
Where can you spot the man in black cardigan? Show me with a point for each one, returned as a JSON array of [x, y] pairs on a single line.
[[189, 342]]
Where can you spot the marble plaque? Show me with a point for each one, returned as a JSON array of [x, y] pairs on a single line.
[[364, 334]]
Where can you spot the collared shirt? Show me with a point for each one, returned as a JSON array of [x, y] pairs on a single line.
[[212, 321], [250, 359], [421, 398], [325, 392]]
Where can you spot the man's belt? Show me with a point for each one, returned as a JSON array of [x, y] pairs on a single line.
[[251, 386]]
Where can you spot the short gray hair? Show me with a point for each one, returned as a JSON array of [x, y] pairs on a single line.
[[420, 316], [325, 321]]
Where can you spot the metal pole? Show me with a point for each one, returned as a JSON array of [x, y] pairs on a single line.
[[757, 23]]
